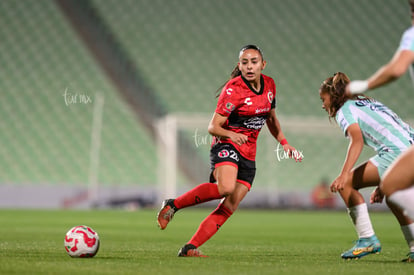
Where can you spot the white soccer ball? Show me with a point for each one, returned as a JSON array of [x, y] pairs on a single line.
[[81, 241]]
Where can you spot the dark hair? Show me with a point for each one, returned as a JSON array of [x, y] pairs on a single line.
[[251, 47], [236, 72], [335, 87]]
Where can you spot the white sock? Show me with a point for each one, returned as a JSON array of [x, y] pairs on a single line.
[[405, 200], [408, 232], [360, 218]]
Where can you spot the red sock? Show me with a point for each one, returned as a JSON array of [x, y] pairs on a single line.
[[204, 192], [210, 225]]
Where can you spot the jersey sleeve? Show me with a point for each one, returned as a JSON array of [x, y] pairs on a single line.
[[273, 104], [407, 40], [227, 101], [345, 118]]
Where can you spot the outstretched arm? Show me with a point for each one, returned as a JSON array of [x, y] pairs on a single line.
[[274, 126], [398, 65], [393, 70], [276, 131]]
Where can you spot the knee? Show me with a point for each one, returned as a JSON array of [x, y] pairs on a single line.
[[226, 189]]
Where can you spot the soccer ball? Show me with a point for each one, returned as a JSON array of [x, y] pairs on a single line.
[[81, 241]]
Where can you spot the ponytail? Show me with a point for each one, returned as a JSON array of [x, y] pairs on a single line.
[[335, 87], [235, 73], [339, 82]]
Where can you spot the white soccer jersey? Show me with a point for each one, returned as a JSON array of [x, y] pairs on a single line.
[[407, 40], [381, 128], [407, 43]]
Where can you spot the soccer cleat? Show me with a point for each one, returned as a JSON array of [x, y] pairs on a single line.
[[166, 213], [363, 247], [190, 250], [410, 258]]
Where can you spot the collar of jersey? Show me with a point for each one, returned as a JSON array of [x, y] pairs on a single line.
[[251, 88]]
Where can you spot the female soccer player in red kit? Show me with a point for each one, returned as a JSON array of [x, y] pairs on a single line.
[[246, 103]]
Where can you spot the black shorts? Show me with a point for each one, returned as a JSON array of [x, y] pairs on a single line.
[[226, 154]]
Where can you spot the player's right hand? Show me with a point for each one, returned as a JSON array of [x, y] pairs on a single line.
[[238, 138]]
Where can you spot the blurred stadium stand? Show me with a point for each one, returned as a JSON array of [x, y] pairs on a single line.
[[158, 57]]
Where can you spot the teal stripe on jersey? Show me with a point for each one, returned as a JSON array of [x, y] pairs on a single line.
[[382, 129], [391, 127], [380, 142]]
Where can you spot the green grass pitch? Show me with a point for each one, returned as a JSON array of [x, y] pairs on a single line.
[[251, 242]]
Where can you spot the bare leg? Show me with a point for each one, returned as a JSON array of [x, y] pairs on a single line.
[[365, 175], [400, 175], [398, 182], [362, 176], [226, 177]]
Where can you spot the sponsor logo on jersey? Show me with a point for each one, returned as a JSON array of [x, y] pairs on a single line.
[[254, 122], [262, 110], [229, 90], [248, 101]]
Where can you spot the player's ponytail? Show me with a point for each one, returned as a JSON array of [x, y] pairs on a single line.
[[235, 73], [339, 82], [335, 87]]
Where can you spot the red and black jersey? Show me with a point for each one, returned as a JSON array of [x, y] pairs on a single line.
[[247, 110]]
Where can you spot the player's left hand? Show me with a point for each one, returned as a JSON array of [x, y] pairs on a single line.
[[339, 183], [293, 153]]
